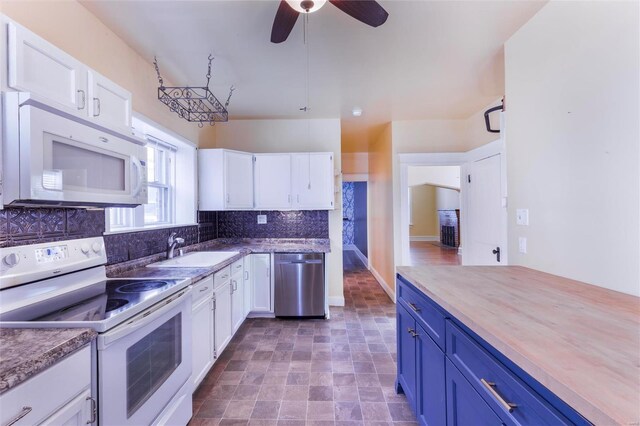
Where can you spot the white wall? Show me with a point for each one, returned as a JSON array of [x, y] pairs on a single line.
[[444, 176], [572, 97], [295, 136], [447, 199]]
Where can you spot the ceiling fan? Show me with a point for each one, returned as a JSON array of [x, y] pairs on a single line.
[[367, 11]]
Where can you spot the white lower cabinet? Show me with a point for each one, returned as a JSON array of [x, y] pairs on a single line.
[[59, 395], [223, 330], [237, 295], [261, 300], [247, 285], [202, 330]]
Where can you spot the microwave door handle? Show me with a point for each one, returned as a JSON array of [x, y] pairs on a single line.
[[139, 177], [141, 320]]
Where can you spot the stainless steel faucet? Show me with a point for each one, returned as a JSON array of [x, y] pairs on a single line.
[[172, 242]]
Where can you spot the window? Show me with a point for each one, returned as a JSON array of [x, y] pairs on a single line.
[[167, 158]]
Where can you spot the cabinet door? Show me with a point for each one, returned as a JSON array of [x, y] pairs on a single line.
[[407, 354], [431, 404], [312, 178], [237, 301], [464, 405], [76, 413], [202, 338], [272, 181], [238, 169], [222, 317], [109, 104], [261, 283], [37, 66], [247, 284]]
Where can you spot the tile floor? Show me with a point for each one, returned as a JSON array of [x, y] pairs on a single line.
[[313, 372]]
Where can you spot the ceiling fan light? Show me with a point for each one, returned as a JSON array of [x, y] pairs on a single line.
[[301, 6]]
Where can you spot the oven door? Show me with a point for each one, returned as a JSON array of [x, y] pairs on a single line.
[[144, 362], [67, 162]]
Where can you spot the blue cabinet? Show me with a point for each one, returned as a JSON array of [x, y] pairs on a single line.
[[406, 355]]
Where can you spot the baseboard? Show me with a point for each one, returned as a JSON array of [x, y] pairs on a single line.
[[336, 300], [358, 253], [389, 290], [424, 238]]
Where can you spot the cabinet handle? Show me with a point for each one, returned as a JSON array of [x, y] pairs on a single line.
[[94, 410], [412, 332], [246, 275], [491, 388], [289, 198], [227, 197], [84, 99], [204, 289], [232, 286], [298, 198], [97, 103], [414, 307], [25, 410]]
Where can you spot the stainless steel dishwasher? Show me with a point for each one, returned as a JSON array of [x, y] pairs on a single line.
[[299, 285]]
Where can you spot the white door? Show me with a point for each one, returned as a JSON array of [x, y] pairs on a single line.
[[486, 217], [202, 338], [272, 181], [109, 104], [222, 318], [37, 66], [261, 283], [237, 301], [247, 284], [312, 178], [238, 168], [78, 412]]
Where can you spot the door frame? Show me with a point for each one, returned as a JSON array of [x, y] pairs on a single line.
[[362, 177], [448, 159]]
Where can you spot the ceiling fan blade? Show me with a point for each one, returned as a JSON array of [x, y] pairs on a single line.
[[367, 11], [283, 23]]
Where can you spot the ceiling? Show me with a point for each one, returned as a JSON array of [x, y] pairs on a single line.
[[430, 60]]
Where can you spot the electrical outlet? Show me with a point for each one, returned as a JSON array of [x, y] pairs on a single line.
[[522, 245], [262, 219], [522, 217]]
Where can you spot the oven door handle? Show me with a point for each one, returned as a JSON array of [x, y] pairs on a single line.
[[143, 319]]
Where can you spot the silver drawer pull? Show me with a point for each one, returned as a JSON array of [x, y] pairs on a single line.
[[414, 307], [491, 388], [412, 332], [94, 410], [25, 410], [204, 289]]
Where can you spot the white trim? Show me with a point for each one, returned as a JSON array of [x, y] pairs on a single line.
[[432, 159], [391, 292], [145, 228], [336, 300], [424, 238], [362, 257], [355, 177]]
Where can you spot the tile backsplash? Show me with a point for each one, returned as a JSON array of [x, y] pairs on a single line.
[[21, 226]]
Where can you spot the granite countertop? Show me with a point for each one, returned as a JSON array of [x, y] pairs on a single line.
[[24, 352], [580, 341], [138, 269]]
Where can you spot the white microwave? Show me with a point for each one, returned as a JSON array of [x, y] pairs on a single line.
[[52, 158]]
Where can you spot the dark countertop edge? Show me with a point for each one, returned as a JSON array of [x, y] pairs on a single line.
[[17, 375]]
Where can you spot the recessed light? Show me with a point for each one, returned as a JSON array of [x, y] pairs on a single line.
[[357, 112]]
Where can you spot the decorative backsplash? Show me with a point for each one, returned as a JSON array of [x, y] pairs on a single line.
[[280, 224], [134, 245]]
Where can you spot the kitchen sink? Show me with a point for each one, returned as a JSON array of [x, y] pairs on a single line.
[[199, 259]]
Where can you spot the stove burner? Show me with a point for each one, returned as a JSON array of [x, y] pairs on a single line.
[[113, 304], [141, 286]]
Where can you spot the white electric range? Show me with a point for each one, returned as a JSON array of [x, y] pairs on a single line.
[[143, 347]]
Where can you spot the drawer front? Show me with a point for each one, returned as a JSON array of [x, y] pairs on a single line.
[[508, 396], [426, 313], [43, 394], [222, 276], [237, 266], [202, 289]]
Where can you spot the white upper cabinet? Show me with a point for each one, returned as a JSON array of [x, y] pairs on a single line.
[[38, 67], [272, 174], [225, 179], [312, 179], [108, 103]]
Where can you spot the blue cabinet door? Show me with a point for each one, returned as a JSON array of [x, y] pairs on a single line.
[[431, 403], [406, 326], [465, 407]]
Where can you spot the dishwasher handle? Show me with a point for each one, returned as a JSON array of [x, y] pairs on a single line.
[[290, 262]]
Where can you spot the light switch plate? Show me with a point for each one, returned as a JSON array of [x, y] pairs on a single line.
[[522, 217], [262, 219], [522, 245]]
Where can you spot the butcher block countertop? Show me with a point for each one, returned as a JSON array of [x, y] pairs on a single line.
[[580, 341]]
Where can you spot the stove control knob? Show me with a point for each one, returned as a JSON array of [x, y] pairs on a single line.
[[97, 247], [12, 259], [84, 248]]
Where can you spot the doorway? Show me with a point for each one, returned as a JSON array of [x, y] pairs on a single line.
[[354, 225]]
